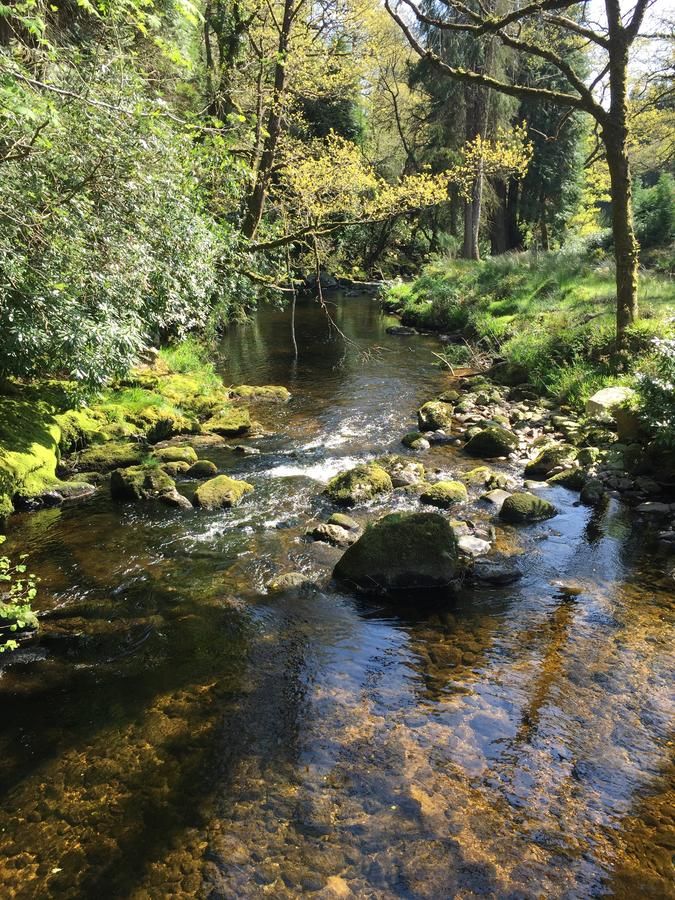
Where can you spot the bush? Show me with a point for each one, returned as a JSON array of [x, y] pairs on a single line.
[[654, 209], [17, 591], [656, 392]]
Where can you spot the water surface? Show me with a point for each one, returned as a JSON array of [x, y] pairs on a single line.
[[177, 732]]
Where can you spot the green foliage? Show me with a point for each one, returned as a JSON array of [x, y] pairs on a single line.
[[656, 391], [18, 589], [654, 210]]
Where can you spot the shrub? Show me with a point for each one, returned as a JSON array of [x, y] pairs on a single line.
[[656, 392]]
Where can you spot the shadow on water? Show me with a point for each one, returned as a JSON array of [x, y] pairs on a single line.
[[178, 732]]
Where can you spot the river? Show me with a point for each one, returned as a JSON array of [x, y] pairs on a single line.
[[178, 732]]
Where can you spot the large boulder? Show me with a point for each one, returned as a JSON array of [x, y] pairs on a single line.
[[269, 393], [176, 454], [202, 468], [548, 459], [229, 421], [221, 492], [603, 401], [402, 552], [524, 507], [434, 415], [402, 470], [145, 483], [444, 494], [492, 442], [359, 485], [109, 456]]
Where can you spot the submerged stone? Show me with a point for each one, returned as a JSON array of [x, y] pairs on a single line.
[[358, 485], [522, 507], [288, 581], [221, 492], [402, 551]]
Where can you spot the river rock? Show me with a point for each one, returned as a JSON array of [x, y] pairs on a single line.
[[496, 497], [415, 440], [221, 492], [402, 551], [473, 546], [498, 570], [402, 470], [288, 581], [203, 468], [492, 442], [593, 493], [653, 508], [523, 507], [344, 521], [604, 401], [334, 535], [229, 421], [434, 415], [175, 468], [401, 330], [479, 476], [449, 396], [177, 454], [358, 485], [548, 459], [109, 456], [268, 393], [174, 499], [444, 494], [588, 456], [140, 483], [574, 479]]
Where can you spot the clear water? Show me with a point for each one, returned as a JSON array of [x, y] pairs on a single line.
[[177, 732]]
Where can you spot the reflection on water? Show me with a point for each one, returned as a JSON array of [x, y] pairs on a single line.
[[177, 732]]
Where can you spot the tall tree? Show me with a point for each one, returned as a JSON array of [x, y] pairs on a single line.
[[539, 29]]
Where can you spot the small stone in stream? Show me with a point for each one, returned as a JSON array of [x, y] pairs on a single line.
[[547, 459], [344, 521], [502, 481], [496, 571], [289, 581], [652, 508], [492, 442], [203, 468], [473, 546], [402, 470], [520, 508], [574, 479], [402, 330], [496, 497], [481, 475], [244, 450], [415, 440], [434, 415], [334, 535], [176, 454], [440, 437], [445, 494], [174, 499], [593, 493], [221, 492]]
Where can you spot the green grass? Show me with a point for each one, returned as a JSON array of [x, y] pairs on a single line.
[[553, 313]]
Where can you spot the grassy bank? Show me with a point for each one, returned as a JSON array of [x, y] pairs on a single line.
[[551, 313], [179, 392]]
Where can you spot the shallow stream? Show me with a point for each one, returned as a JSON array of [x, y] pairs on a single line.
[[178, 732]]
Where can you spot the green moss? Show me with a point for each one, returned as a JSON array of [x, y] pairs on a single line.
[[203, 468], [176, 454], [480, 476], [434, 415], [113, 455], [229, 421], [272, 393], [524, 507], [548, 458], [412, 438], [140, 483], [359, 485], [221, 492], [402, 470], [574, 479], [444, 494], [492, 442]]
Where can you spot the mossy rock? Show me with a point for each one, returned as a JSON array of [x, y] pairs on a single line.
[[79, 429], [548, 459], [402, 470], [524, 507], [270, 393], [402, 552], [229, 421], [492, 442], [594, 493], [335, 535], [415, 440], [434, 415], [449, 396], [174, 469], [359, 485], [203, 468], [574, 479], [478, 477], [109, 456], [588, 456], [176, 454], [159, 423], [221, 492], [445, 494], [189, 392], [140, 483], [344, 521]]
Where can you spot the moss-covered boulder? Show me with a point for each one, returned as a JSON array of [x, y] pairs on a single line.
[[478, 477], [334, 535], [344, 521], [109, 456], [79, 429], [174, 469], [402, 552], [203, 468], [594, 493], [269, 393], [176, 454], [548, 459], [434, 415], [140, 483], [229, 421], [221, 492], [402, 470], [449, 396], [574, 479], [444, 494], [525, 507], [415, 440], [359, 485], [492, 442]]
